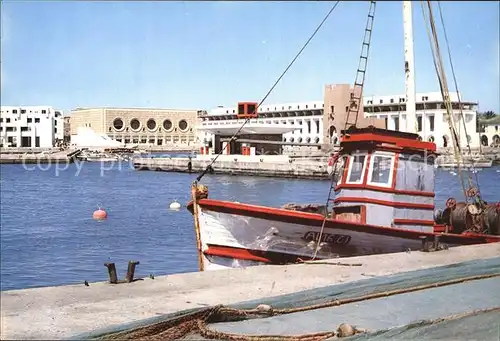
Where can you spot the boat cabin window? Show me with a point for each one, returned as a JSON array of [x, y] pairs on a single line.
[[357, 163], [381, 169]]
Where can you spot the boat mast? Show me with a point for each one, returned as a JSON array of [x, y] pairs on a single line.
[[409, 67]]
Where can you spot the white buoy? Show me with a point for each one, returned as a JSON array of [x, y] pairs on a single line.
[[175, 205]]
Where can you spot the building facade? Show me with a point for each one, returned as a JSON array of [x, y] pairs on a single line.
[[430, 122], [66, 129], [30, 126], [295, 125], [490, 134], [157, 127], [318, 123]]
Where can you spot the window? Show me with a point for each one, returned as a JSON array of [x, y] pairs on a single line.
[[37, 120], [356, 168], [381, 170], [419, 123], [23, 111], [396, 123], [431, 123]]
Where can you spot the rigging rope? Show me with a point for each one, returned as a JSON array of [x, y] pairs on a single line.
[[272, 88], [436, 56], [326, 205], [458, 94]]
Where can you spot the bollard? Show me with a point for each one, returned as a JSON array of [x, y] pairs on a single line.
[[131, 270], [113, 279]]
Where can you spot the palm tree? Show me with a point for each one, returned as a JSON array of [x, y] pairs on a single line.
[[488, 114]]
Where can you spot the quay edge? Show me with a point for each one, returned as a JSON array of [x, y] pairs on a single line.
[[258, 166], [67, 156], [74, 310]]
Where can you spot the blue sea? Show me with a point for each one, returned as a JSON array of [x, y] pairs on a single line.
[[48, 236]]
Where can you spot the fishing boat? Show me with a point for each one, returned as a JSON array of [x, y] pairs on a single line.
[[382, 196]]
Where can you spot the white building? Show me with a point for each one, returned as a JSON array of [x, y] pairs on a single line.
[[430, 121], [298, 122], [301, 123], [491, 133], [30, 126]]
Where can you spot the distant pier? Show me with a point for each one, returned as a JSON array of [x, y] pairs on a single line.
[[259, 165], [37, 156]]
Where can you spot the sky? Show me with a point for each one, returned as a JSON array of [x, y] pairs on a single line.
[[197, 55]]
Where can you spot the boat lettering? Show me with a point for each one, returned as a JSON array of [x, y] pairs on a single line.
[[327, 238]]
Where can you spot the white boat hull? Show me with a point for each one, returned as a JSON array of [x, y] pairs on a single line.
[[231, 240]]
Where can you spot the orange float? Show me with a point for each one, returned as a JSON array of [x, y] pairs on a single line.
[[99, 214]]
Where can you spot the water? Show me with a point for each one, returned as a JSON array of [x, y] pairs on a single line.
[[48, 236]]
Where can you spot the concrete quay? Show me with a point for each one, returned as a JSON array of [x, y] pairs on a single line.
[[67, 311], [259, 165], [39, 157]]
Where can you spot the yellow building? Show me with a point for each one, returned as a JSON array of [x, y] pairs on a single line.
[[139, 125]]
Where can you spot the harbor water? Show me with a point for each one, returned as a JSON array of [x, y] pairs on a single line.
[[48, 236]]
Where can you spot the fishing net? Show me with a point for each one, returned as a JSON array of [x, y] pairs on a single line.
[[446, 302]]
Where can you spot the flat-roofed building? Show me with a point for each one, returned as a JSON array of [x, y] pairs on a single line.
[[30, 126], [285, 126], [490, 134], [146, 126], [431, 122]]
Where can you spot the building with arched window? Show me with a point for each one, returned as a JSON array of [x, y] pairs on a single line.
[[490, 134], [139, 126], [287, 125], [431, 121]]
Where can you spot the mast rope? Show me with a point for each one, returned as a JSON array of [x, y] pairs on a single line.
[[437, 60], [458, 94], [332, 184], [272, 88]]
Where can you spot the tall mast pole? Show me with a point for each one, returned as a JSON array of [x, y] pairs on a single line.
[[409, 67]]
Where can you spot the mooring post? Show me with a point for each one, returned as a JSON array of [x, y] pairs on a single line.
[[113, 278], [131, 270]]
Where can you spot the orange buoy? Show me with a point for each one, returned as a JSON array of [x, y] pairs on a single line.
[[99, 214]]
